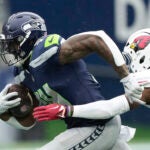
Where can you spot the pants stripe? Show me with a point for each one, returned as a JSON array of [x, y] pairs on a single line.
[[90, 139]]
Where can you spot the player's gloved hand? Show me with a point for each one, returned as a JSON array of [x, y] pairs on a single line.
[[52, 112], [4, 96], [133, 90]]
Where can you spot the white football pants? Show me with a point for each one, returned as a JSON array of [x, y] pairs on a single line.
[[90, 138]]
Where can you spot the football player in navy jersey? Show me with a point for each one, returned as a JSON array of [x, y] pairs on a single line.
[[53, 69], [138, 45], [136, 54]]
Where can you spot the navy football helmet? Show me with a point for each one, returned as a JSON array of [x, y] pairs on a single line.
[[19, 34]]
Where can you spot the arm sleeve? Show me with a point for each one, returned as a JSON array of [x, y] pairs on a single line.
[[102, 109]]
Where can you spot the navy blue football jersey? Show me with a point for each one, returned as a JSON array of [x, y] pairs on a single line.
[[52, 82]]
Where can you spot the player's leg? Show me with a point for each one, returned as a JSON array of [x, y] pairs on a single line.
[[126, 134], [87, 138], [121, 145]]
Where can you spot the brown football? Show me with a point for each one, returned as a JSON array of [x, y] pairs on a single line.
[[146, 96], [28, 101]]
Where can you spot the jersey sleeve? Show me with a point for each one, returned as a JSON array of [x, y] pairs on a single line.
[[47, 51]]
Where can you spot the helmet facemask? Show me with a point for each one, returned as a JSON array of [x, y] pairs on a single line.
[[10, 50], [142, 60], [137, 51]]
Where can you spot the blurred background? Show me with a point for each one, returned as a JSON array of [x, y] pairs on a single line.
[[118, 18]]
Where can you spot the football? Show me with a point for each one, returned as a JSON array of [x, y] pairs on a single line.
[[146, 96], [28, 101]]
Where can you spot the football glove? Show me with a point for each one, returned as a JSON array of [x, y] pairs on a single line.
[[133, 90], [4, 96], [52, 112]]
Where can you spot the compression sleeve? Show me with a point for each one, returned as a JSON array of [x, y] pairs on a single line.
[[102, 109], [118, 58]]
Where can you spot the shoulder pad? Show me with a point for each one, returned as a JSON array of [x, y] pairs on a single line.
[[48, 47]]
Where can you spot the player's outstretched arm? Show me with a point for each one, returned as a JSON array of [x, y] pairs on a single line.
[[80, 45], [104, 109], [96, 110]]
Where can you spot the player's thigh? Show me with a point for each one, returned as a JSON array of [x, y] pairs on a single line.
[[126, 134], [110, 135], [87, 138]]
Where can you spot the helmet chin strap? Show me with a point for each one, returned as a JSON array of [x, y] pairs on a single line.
[[25, 38], [21, 62]]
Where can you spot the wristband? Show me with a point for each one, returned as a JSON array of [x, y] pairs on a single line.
[[69, 111]]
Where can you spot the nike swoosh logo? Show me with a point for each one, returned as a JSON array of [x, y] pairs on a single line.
[[51, 39]]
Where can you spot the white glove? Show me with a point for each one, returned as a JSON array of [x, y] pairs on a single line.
[[143, 78], [4, 96], [133, 90]]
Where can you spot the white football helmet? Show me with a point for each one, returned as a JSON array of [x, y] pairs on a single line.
[[137, 51]]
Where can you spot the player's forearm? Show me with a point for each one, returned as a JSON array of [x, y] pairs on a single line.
[[96, 110], [107, 48], [102, 109], [80, 45]]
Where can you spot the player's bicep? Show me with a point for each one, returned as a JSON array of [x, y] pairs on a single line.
[[76, 47]]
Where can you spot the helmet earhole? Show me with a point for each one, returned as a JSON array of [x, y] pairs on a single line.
[[142, 60]]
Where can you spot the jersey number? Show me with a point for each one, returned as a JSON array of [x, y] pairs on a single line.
[[46, 95]]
